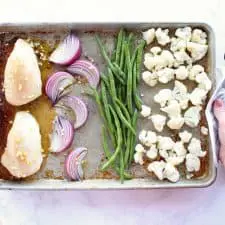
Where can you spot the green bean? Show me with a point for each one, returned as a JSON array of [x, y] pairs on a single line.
[[101, 111], [134, 56], [124, 131], [124, 94], [128, 147], [105, 144], [119, 88], [114, 97], [117, 67], [123, 108], [113, 56], [121, 167], [129, 81], [133, 139], [105, 80], [139, 58], [105, 56], [137, 100], [119, 78], [119, 45], [129, 41], [112, 87], [124, 120], [119, 140], [107, 113], [122, 56], [127, 176], [130, 38], [131, 35], [98, 101], [108, 154]]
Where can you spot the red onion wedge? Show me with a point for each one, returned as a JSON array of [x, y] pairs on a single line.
[[73, 164], [57, 85], [62, 135], [86, 69], [67, 51], [79, 108]]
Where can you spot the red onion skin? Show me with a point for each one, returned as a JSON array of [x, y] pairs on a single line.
[[71, 138], [85, 110], [70, 60], [87, 69], [75, 156], [50, 84]]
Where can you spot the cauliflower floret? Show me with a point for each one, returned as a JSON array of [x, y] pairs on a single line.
[[192, 116], [194, 71], [181, 73], [154, 62], [151, 138], [181, 57], [198, 96], [192, 163], [185, 136], [175, 123], [175, 160], [204, 130], [163, 96], [162, 36], [138, 156], [198, 51], [142, 136], [184, 103], [195, 148], [171, 173], [160, 62], [149, 36], [179, 148], [157, 168], [165, 143], [164, 153], [158, 121], [155, 50], [168, 58], [173, 109], [178, 44], [165, 75], [179, 89], [147, 137], [183, 33], [177, 155], [152, 153], [145, 110], [203, 80], [149, 78], [199, 36], [180, 94], [149, 61]]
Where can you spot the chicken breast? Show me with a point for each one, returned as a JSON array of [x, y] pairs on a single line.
[[22, 77], [22, 156]]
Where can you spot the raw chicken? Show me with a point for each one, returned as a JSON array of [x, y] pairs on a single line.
[[22, 77], [22, 156], [219, 112]]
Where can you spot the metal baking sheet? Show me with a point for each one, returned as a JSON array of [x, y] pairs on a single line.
[[85, 136]]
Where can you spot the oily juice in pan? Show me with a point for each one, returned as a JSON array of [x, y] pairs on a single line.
[[90, 134]]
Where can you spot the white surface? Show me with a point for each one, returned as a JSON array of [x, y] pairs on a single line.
[[190, 206]]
